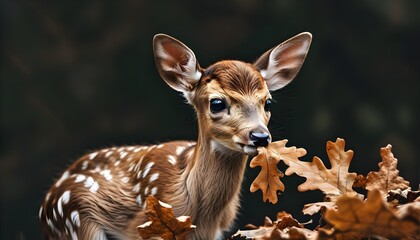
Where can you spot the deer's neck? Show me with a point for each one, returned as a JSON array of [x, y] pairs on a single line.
[[212, 180]]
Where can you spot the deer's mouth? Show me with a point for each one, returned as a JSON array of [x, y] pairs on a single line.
[[250, 150]]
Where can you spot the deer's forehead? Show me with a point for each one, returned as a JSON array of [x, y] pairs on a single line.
[[216, 90], [236, 79]]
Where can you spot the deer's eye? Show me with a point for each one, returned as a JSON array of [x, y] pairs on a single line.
[[267, 105], [217, 105]]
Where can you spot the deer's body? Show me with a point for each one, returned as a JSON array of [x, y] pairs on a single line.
[[102, 194]]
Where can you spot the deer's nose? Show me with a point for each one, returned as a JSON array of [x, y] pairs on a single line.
[[260, 139]]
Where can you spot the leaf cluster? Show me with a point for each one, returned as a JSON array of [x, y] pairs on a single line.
[[391, 209]]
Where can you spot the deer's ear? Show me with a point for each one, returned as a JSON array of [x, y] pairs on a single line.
[[176, 63], [280, 65]]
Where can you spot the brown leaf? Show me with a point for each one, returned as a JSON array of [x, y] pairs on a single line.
[[403, 196], [330, 234], [268, 180], [163, 223], [411, 210], [292, 233], [370, 218], [336, 181], [313, 208], [253, 234], [288, 222], [283, 228], [360, 181], [387, 178]]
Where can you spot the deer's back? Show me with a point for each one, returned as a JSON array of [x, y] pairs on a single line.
[[112, 183]]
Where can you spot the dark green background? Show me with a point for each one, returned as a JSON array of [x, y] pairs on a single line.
[[80, 75]]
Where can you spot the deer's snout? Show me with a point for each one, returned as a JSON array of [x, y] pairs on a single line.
[[260, 138]]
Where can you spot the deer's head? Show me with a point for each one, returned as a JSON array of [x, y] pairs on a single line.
[[232, 98]]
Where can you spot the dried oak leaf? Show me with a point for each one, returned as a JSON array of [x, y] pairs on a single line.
[[370, 218], [335, 181], [253, 234], [313, 208], [387, 178], [411, 210], [285, 227], [292, 233], [403, 196], [268, 180], [163, 223]]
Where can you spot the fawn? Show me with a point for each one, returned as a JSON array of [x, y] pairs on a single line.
[[102, 195]]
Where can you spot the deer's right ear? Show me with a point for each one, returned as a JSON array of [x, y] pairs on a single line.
[[176, 63]]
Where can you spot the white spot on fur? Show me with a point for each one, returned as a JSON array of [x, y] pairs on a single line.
[[106, 174], [80, 178], [154, 191], [93, 155], [165, 205], [91, 184], [125, 179], [97, 168], [47, 197], [131, 168], [130, 148], [183, 218], [51, 225], [145, 225], [136, 188], [121, 149], [65, 175], [66, 197], [151, 148], [172, 159], [154, 177], [63, 199], [179, 150], [94, 187], [146, 191], [138, 200], [54, 214], [123, 154], [147, 168], [40, 212], [85, 165], [160, 146], [70, 228], [139, 149], [109, 153], [117, 163], [75, 218]]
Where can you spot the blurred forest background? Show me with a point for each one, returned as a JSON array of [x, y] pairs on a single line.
[[80, 75]]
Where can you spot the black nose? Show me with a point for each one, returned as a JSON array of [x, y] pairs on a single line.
[[259, 139]]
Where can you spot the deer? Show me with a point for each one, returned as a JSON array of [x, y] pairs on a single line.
[[102, 194]]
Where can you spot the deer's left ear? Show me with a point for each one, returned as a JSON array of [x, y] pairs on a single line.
[[280, 65]]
